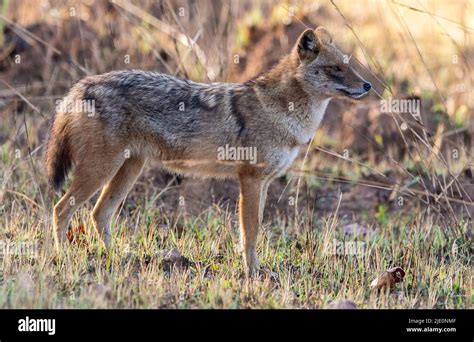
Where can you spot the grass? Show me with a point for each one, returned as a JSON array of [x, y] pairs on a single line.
[[300, 269]]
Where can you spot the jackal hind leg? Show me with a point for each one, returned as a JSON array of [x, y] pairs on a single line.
[[88, 179], [112, 196]]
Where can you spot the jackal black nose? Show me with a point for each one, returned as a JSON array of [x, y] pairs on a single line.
[[367, 86]]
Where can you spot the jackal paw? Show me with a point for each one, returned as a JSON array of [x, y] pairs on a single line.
[[60, 239], [107, 240], [251, 265]]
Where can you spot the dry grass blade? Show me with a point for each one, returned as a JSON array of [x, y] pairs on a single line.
[[165, 28]]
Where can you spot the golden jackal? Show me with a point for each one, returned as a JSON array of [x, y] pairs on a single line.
[[138, 115]]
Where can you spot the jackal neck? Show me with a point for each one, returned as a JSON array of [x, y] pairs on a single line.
[[281, 87]]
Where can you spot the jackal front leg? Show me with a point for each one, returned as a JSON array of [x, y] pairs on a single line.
[[249, 203]]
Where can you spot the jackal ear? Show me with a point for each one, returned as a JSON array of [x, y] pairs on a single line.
[[323, 35], [307, 46]]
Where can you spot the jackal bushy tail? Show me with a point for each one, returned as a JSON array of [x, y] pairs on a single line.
[[58, 157]]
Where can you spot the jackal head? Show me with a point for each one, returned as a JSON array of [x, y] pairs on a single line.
[[324, 69]]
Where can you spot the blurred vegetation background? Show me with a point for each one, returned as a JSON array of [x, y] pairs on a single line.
[[419, 50]]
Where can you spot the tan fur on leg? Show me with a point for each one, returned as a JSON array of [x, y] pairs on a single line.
[[87, 181], [113, 194], [250, 191]]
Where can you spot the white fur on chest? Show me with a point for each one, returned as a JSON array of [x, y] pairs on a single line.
[[281, 160], [304, 128], [288, 157]]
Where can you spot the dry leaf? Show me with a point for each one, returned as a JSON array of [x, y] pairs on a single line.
[[388, 278], [76, 234], [342, 304]]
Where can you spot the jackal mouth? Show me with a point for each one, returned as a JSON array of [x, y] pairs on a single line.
[[354, 95]]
